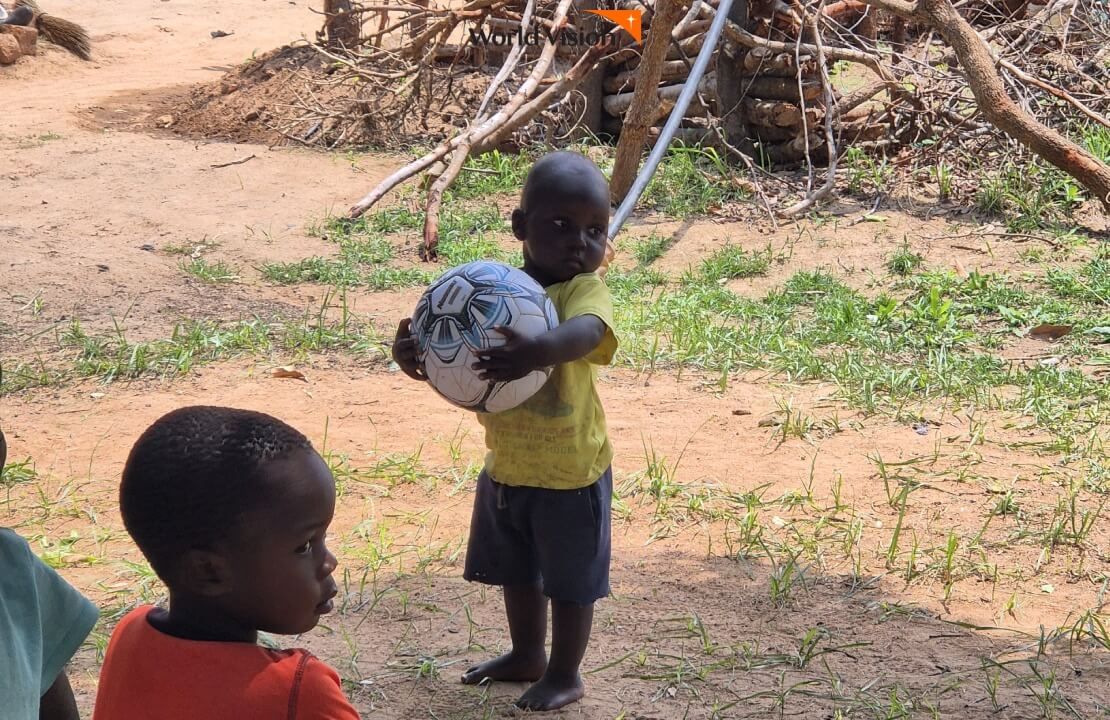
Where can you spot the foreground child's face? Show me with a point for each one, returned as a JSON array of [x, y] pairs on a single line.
[[280, 565], [564, 235]]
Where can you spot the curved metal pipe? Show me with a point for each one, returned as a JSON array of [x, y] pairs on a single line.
[[677, 113]]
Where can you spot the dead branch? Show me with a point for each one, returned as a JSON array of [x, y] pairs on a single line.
[[994, 102], [510, 62], [472, 135], [564, 85]]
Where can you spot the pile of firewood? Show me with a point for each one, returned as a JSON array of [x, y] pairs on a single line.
[[925, 75], [780, 91]]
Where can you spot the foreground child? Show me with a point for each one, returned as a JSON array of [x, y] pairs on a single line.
[[230, 508], [42, 623], [541, 526]]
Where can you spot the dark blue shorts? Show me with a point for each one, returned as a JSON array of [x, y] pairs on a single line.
[[527, 535]]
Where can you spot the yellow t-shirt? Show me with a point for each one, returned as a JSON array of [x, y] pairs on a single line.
[[557, 439]]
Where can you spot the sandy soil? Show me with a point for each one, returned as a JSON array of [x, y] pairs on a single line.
[[90, 209]]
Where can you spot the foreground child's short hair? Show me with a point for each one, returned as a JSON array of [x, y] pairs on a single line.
[[193, 473]]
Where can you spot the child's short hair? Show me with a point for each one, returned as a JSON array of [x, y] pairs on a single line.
[[193, 473]]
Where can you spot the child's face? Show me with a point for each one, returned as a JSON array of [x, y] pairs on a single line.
[[280, 567], [564, 235]]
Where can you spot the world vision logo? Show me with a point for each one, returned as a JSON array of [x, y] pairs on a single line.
[[629, 20]]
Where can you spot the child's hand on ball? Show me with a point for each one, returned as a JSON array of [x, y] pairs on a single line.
[[404, 351], [519, 356]]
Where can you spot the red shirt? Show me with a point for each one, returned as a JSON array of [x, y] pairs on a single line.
[[148, 674]]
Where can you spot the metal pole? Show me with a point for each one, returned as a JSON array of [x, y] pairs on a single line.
[[677, 113]]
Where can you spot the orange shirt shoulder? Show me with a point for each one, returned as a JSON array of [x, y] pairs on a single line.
[[148, 674]]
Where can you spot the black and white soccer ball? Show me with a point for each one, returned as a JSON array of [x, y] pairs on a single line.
[[455, 320]]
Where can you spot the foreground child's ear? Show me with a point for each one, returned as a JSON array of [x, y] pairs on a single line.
[[519, 220], [205, 573]]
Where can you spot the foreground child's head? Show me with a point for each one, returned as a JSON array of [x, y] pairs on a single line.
[[563, 218], [231, 507]]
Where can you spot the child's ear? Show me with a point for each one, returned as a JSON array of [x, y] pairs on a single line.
[[3, 450], [519, 221], [205, 573]]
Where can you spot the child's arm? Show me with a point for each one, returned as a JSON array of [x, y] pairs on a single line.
[[520, 355], [58, 702], [404, 351]]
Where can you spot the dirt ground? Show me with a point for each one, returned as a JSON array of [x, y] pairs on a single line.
[[692, 629]]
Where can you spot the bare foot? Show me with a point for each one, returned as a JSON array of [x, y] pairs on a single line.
[[552, 693], [508, 667]]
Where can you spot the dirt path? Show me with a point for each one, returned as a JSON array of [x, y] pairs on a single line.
[[81, 203]]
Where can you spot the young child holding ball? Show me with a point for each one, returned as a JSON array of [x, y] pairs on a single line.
[[541, 521]]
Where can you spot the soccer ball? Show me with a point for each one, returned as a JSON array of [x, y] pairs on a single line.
[[455, 320]]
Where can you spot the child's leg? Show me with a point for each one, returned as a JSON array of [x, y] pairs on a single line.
[[526, 608], [573, 530], [561, 683], [499, 553]]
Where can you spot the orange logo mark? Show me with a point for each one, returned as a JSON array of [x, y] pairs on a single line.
[[630, 20]]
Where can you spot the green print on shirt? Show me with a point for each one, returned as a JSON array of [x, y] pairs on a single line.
[[548, 403]]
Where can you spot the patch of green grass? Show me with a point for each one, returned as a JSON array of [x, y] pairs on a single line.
[[466, 235], [1034, 195], [649, 249], [32, 141], [389, 220], [210, 272], [865, 173], [366, 251], [883, 353], [190, 248], [348, 271], [363, 254], [1090, 283], [904, 261], [1030, 196], [491, 174], [690, 181], [991, 196], [628, 283], [728, 263], [113, 356], [314, 270], [25, 375], [16, 473]]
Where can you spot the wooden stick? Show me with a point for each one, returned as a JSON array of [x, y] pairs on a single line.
[[644, 106], [510, 62], [618, 104], [792, 151], [775, 134], [775, 112], [812, 198], [691, 15], [435, 198], [628, 80], [462, 150], [778, 88], [761, 61]]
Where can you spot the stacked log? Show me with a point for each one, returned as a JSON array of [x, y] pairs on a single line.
[[780, 109]]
